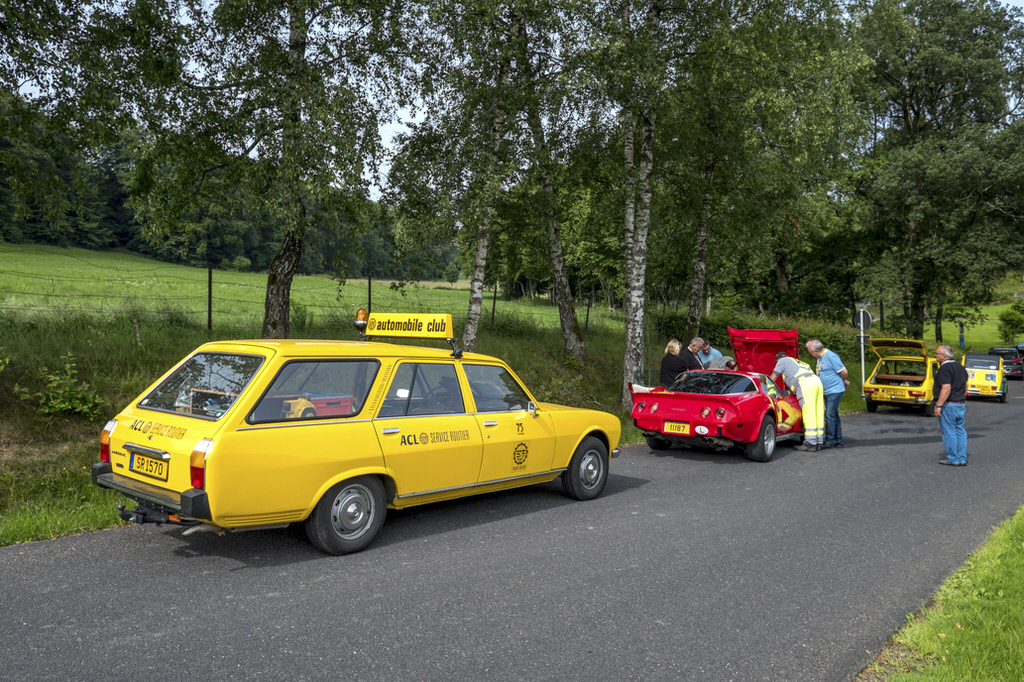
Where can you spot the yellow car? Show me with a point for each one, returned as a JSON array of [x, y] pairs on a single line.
[[904, 375], [264, 433], [985, 378]]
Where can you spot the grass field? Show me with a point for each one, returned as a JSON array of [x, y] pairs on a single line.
[[89, 330]]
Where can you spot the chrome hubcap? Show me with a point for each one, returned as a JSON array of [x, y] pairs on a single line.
[[590, 469], [352, 512]]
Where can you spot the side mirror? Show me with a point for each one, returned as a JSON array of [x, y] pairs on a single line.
[[531, 407]]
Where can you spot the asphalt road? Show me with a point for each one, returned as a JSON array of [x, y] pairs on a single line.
[[691, 566]]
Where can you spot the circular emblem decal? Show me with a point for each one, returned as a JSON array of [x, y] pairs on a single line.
[[519, 454], [424, 438], [372, 324]]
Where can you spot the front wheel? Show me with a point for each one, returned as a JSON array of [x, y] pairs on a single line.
[[762, 449], [588, 470], [348, 517]]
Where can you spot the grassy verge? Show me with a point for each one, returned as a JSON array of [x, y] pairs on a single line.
[[972, 628]]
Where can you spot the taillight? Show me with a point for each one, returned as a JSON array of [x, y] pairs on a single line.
[[197, 463], [705, 411], [108, 429], [869, 391], [916, 394], [720, 413]]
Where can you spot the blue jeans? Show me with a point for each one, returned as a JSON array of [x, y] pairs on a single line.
[[953, 420], [833, 427]]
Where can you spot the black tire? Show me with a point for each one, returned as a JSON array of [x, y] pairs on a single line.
[[762, 449], [309, 413], [1002, 396], [655, 443], [929, 409], [348, 517], [588, 470], [871, 405]]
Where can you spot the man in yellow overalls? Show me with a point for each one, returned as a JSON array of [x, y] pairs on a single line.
[[800, 378]]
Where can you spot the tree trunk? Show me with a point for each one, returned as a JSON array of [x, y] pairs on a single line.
[[476, 286], [637, 224], [572, 336], [483, 238], [277, 306], [699, 280], [276, 317]]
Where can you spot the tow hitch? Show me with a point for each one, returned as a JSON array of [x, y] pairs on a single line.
[[143, 514]]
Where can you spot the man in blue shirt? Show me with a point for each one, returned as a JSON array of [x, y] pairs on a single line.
[[707, 353], [832, 373]]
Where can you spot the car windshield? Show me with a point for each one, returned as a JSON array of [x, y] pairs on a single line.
[[713, 383], [206, 385]]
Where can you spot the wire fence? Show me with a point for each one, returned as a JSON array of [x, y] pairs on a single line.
[[86, 288]]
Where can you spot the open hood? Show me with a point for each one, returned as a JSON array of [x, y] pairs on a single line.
[[906, 348], [756, 348]]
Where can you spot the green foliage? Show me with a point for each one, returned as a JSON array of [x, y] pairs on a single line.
[[63, 394], [1011, 324]]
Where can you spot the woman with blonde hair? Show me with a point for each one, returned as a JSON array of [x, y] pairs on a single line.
[[671, 364]]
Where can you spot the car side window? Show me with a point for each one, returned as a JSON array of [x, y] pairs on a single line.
[[495, 389], [316, 389], [423, 389]]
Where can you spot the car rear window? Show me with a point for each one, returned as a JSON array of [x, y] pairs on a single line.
[[205, 386], [713, 383], [316, 389]]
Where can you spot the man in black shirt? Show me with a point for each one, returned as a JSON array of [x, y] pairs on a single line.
[[951, 407]]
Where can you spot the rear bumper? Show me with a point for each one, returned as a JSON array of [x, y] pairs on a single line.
[[192, 504]]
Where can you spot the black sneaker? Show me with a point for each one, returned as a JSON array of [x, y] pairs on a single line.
[[806, 447]]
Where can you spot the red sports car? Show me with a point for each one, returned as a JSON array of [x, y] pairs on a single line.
[[723, 409]]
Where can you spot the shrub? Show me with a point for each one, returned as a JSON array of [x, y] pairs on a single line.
[[64, 394], [1011, 323]]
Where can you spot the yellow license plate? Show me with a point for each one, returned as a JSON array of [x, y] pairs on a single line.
[[677, 427], [148, 466]]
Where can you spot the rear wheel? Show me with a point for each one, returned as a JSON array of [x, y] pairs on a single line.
[[348, 517], [762, 449], [655, 443], [1002, 396], [929, 409], [588, 470], [870, 404]]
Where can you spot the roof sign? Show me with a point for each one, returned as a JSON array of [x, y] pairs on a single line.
[[410, 325]]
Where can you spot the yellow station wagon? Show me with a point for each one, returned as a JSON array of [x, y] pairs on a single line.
[[904, 375], [985, 378], [264, 433]]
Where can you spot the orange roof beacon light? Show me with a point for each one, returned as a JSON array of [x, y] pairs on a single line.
[[360, 323]]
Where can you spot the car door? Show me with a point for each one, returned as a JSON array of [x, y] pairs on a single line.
[[517, 440], [788, 415], [429, 441]]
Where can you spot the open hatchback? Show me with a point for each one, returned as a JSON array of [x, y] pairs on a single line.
[[903, 376]]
